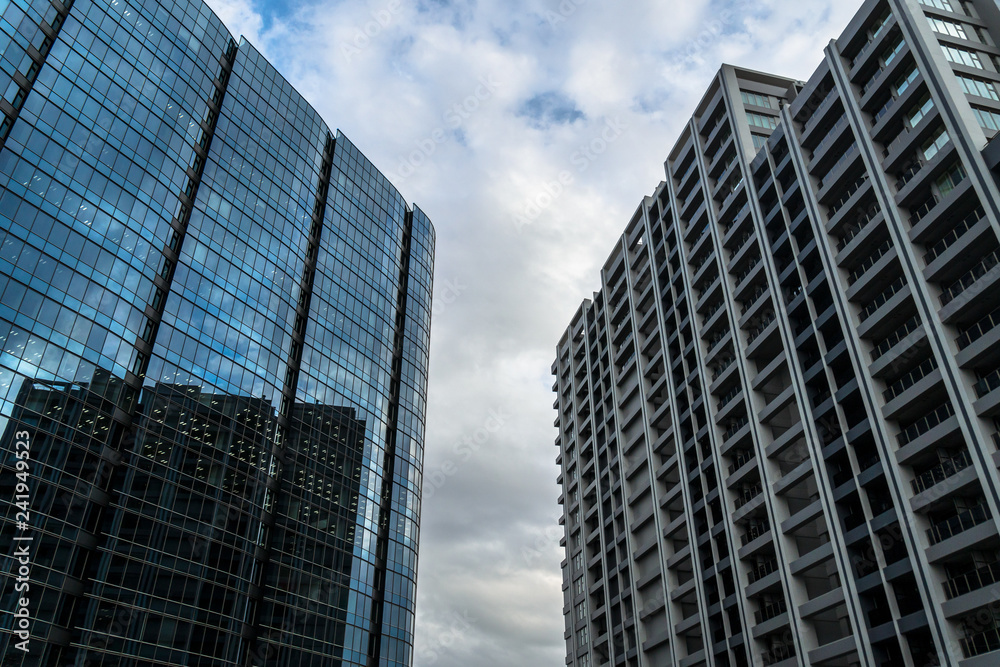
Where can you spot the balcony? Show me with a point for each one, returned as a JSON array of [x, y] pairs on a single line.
[[851, 189], [895, 337], [820, 108], [776, 654], [978, 330], [981, 577], [868, 45], [831, 175], [883, 110], [722, 367], [754, 333], [754, 531], [958, 524], [980, 643], [762, 570], [941, 472], [734, 428], [879, 253], [988, 383], [752, 299], [746, 495], [879, 301], [921, 211], [924, 424], [752, 264], [769, 611], [728, 398], [908, 175], [712, 310], [949, 239], [740, 460], [831, 134], [925, 368], [741, 241], [971, 276], [855, 229]]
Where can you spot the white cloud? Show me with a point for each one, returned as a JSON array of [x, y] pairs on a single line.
[[240, 18], [486, 547]]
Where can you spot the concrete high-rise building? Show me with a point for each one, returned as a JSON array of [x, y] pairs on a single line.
[[214, 326], [777, 418]]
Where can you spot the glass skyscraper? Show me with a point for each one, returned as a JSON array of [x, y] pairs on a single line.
[[214, 327]]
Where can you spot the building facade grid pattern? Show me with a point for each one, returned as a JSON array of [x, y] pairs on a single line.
[[214, 324], [778, 417]]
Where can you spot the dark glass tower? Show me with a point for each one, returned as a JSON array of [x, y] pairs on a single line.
[[214, 327]]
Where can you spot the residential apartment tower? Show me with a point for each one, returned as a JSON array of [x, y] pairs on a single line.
[[777, 418]]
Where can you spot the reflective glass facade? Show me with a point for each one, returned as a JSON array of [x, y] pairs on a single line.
[[214, 328]]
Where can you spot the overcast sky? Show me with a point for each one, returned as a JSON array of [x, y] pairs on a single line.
[[528, 131]]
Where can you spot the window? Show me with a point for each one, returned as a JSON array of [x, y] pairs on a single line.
[[933, 145], [578, 562], [943, 27], [583, 636], [758, 140], [921, 109], [579, 586], [949, 180], [973, 86], [904, 81], [890, 53], [937, 4], [881, 26], [962, 56], [988, 119], [756, 99], [760, 120], [581, 611]]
